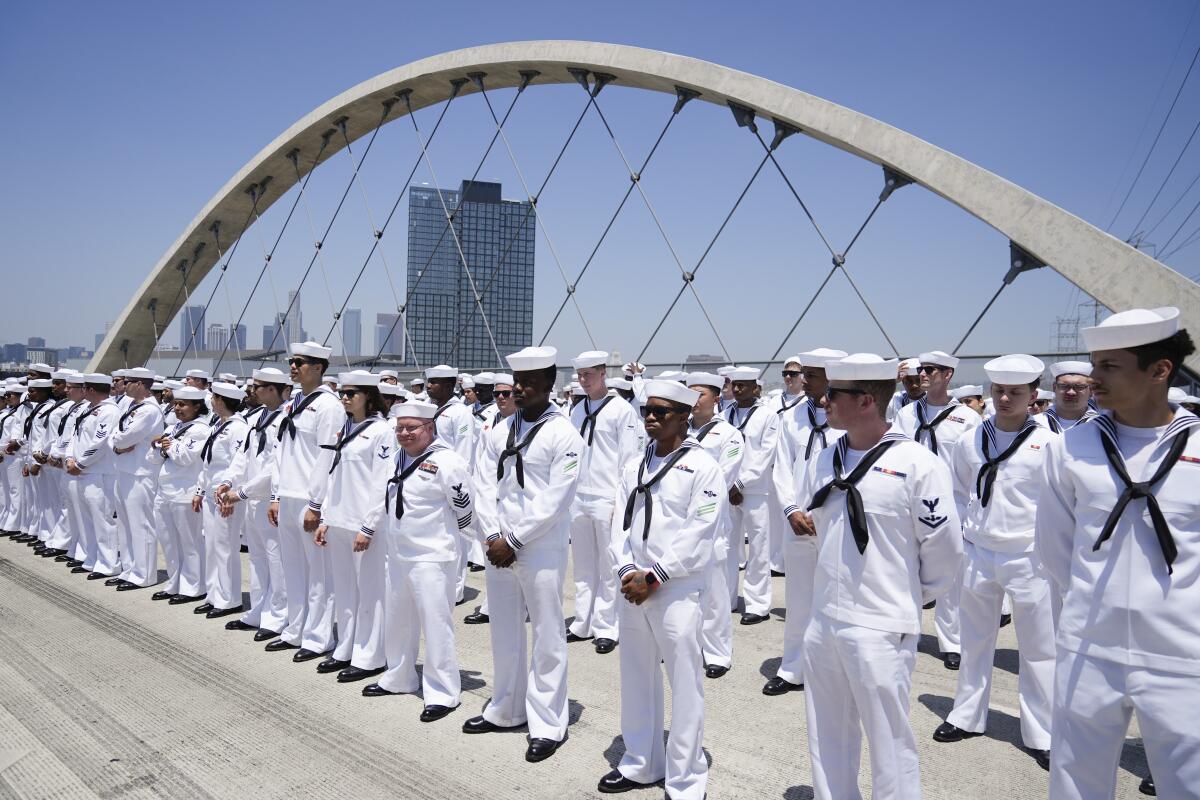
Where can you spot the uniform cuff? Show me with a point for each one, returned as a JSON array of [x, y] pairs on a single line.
[[513, 541], [492, 537], [313, 505], [788, 511], [625, 570], [660, 572]]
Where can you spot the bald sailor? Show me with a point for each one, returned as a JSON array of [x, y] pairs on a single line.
[[612, 439], [536, 475], [889, 540], [1118, 529]]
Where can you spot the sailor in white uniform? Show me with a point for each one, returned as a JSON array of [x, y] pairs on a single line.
[[456, 429], [138, 464], [536, 474], [250, 479], [179, 528], [70, 539], [362, 464], [92, 458], [804, 433], [723, 442], [416, 388], [759, 426], [937, 421], [662, 543], [11, 421], [791, 395], [38, 486], [889, 540], [313, 417], [998, 476], [612, 439], [1072, 393], [909, 375], [53, 422], [1118, 529], [428, 501]]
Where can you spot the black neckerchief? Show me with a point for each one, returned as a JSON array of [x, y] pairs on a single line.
[[206, 452], [401, 475], [704, 429], [46, 414], [511, 451], [1178, 432], [1057, 424], [349, 434], [62, 423], [260, 428], [288, 425], [854, 504], [986, 476], [817, 430], [29, 420], [79, 420], [125, 417], [733, 411], [785, 407], [589, 417], [643, 486], [931, 425]]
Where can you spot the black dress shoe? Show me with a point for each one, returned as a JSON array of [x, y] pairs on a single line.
[[929, 605], [81, 570], [474, 568], [62, 556], [217, 613], [305, 654], [51, 552], [330, 664], [481, 725], [74, 562], [39, 548], [753, 619], [1147, 786], [95, 576], [434, 713], [1005, 620], [203, 608], [605, 646], [264, 634], [775, 573], [615, 783], [477, 618], [25, 538], [541, 749], [126, 586], [352, 673], [163, 595], [777, 686], [280, 644], [1042, 757], [572, 637], [952, 733], [114, 581], [183, 599], [952, 660], [238, 625], [375, 690], [715, 671]]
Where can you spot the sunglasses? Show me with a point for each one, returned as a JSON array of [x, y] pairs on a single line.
[[348, 392], [1072, 387], [409, 429], [502, 393], [658, 412], [929, 369], [833, 392], [791, 373], [298, 362]]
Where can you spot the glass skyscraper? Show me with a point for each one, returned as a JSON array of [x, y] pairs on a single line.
[[497, 239]]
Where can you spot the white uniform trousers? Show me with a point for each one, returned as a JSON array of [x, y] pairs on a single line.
[[525, 690], [421, 600], [1093, 700], [306, 578], [800, 558], [716, 621], [15, 485], [183, 548], [358, 604], [987, 577], [268, 601], [593, 570], [135, 521], [856, 677], [36, 487], [99, 525], [222, 555], [73, 491], [779, 530], [664, 628], [752, 519], [945, 617], [60, 534]]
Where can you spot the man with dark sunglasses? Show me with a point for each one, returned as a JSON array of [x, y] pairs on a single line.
[[909, 375]]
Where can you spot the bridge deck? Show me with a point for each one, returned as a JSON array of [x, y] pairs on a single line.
[[112, 695]]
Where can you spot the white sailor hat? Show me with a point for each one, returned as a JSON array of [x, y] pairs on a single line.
[[417, 381], [98, 377], [309, 349], [970, 390], [157, 386], [230, 390], [576, 389], [413, 408], [271, 375], [725, 370], [1071, 368], [590, 358], [75, 378], [41, 367], [817, 358], [1190, 398], [671, 390], [198, 373], [485, 378], [1132, 328], [1014, 369], [441, 371], [40, 383], [1044, 395], [939, 358], [118, 373], [911, 367], [390, 389], [227, 377], [388, 373], [744, 374], [503, 379], [12, 387], [619, 383], [173, 384], [188, 393], [358, 377], [466, 381], [140, 374], [861, 367], [1175, 394], [61, 374], [793, 360], [531, 358], [706, 379]]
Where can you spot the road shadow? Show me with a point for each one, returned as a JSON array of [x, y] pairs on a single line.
[[801, 792], [769, 667], [575, 711], [616, 749], [470, 680]]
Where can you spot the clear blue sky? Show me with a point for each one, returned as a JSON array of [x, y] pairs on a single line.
[[122, 120]]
